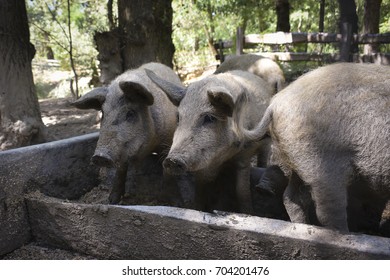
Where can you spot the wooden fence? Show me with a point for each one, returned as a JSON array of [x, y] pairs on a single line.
[[280, 39]]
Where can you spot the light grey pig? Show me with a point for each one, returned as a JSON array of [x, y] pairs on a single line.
[[204, 142], [138, 119], [329, 128], [259, 65]]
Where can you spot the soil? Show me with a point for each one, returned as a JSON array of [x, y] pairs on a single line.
[[64, 121]]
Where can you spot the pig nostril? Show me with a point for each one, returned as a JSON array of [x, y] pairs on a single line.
[[174, 164], [102, 160]]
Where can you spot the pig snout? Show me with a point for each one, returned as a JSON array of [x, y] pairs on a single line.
[[174, 165], [102, 159]]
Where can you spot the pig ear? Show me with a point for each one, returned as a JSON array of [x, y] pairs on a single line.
[[92, 100], [174, 92], [137, 93], [222, 100]]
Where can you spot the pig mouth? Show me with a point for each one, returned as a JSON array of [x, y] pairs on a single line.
[[105, 159], [175, 165], [102, 160]]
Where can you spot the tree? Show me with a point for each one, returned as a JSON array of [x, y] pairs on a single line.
[[322, 16], [283, 15], [143, 35], [20, 117], [67, 27], [371, 22], [348, 26]]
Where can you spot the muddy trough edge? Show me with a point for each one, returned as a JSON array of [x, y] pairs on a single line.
[[161, 232]]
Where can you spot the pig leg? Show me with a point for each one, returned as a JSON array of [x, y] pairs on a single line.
[[187, 190], [118, 184], [296, 206], [330, 199], [329, 182], [263, 152], [243, 191], [131, 182]]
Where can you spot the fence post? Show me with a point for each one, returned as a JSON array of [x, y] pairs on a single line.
[[239, 41]]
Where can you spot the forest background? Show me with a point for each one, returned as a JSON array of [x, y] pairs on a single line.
[[196, 25]]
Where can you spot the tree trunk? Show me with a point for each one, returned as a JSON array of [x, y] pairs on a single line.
[[110, 15], [144, 35], [283, 15], [348, 25], [20, 117], [371, 23], [322, 16], [108, 45], [146, 27], [210, 32]]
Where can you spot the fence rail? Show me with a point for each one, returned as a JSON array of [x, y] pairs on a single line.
[[251, 41]]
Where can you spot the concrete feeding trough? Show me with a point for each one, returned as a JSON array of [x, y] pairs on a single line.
[[47, 197]]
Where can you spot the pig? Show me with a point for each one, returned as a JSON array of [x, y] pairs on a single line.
[[259, 65], [265, 68], [330, 129], [205, 145], [138, 120]]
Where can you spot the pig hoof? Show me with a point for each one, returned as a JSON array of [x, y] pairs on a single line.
[[265, 188]]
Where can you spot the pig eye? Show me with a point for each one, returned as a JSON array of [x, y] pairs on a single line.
[[207, 119]]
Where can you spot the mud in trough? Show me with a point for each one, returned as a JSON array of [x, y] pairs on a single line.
[[52, 207]]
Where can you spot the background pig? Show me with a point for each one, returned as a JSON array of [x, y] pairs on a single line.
[[259, 65], [331, 131], [138, 119], [204, 143]]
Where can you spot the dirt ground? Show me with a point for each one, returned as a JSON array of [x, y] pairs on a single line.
[[64, 121]]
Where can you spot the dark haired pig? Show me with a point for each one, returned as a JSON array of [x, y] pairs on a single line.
[[204, 142], [138, 119], [259, 65], [330, 128]]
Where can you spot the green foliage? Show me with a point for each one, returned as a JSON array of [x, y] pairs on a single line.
[[195, 24], [192, 21], [49, 28]]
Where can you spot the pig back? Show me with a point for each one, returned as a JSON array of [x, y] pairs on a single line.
[[341, 108], [257, 92], [163, 112], [258, 65]]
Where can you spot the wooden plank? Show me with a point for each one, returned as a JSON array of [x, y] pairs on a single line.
[[281, 38], [372, 38], [289, 56], [278, 38], [379, 58], [323, 37]]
